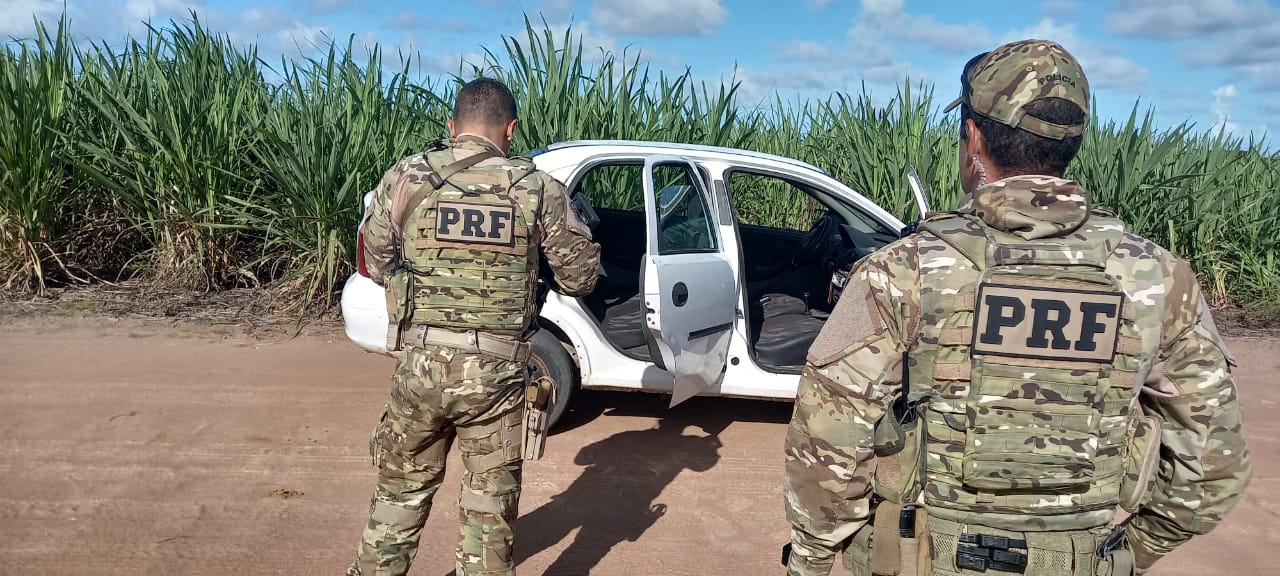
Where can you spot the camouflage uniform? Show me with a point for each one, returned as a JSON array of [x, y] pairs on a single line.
[[1162, 424], [442, 391]]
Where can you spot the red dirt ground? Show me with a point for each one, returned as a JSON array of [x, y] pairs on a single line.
[[135, 448]]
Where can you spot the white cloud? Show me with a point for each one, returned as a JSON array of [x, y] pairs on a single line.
[[409, 20], [1223, 98], [945, 37], [1239, 34], [1102, 67], [423, 60], [17, 17], [330, 5], [870, 52], [1266, 76], [1184, 18], [660, 17], [277, 31], [1243, 35], [592, 43], [93, 19], [803, 50], [556, 10], [274, 30], [1272, 107], [1259, 44], [1059, 7], [883, 19], [759, 87]]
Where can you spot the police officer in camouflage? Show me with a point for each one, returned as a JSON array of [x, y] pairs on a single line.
[[992, 387], [458, 235]]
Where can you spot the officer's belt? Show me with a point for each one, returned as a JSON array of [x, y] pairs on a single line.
[[471, 341]]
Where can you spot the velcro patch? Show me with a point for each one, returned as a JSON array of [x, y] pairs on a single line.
[[475, 223], [1047, 323]]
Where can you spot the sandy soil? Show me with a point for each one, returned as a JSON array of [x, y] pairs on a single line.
[[135, 448]]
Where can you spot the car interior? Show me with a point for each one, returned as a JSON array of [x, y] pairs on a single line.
[[786, 272]]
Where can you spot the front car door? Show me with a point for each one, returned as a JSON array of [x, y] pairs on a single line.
[[689, 290]]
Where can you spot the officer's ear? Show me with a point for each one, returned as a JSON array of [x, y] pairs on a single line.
[[511, 129], [971, 140], [453, 132]]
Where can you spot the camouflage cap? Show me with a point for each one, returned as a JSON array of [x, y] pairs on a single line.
[[1000, 83]]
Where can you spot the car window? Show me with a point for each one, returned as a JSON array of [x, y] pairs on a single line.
[[773, 202], [684, 222], [614, 185], [760, 200]]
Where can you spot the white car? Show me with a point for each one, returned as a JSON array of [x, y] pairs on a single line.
[[702, 293]]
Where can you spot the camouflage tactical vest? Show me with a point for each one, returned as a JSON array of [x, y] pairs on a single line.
[[1026, 368], [470, 249]]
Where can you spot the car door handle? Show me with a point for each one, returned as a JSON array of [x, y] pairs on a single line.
[[679, 294]]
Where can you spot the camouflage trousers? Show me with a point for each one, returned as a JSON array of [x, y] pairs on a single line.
[[439, 393]]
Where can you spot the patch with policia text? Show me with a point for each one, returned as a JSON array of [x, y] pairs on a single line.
[[475, 223], [1046, 323]]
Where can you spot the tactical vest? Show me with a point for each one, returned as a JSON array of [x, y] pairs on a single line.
[[469, 250], [1024, 376]]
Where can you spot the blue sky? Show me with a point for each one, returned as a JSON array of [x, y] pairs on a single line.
[[1214, 62]]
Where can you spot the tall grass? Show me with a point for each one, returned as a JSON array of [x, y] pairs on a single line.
[[187, 161], [35, 80], [175, 126]]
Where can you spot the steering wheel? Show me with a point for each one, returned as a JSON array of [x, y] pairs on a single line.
[[816, 243]]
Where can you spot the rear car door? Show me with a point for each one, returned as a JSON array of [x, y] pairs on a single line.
[[688, 284]]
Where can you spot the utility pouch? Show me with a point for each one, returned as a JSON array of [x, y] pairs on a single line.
[[1013, 443], [895, 542], [1142, 456], [538, 400]]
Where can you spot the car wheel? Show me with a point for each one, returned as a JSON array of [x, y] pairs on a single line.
[[550, 359]]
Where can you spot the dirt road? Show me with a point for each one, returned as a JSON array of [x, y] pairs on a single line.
[[127, 448]]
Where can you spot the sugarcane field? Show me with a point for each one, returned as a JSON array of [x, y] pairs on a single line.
[[205, 353]]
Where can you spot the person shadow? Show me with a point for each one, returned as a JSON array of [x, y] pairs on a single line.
[[614, 499]]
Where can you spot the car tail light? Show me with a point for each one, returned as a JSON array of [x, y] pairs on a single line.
[[360, 265]]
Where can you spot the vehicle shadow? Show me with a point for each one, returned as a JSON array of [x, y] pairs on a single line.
[[614, 499], [588, 405]]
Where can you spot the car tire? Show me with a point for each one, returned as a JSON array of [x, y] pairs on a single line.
[[550, 359]]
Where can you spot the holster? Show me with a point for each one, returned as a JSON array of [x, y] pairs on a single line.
[[1115, 557], [539, 397], [899, 438], [399, 306], [898, 543]]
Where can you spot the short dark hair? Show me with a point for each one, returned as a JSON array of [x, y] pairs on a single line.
[[484, 101], [1019, 151]]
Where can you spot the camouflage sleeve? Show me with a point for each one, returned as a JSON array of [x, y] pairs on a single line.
[[376, 230], [853, 369], [1204, 464], [566, 242]]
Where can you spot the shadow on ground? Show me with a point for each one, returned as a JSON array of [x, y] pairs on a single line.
[[614, 498], [588, 405]]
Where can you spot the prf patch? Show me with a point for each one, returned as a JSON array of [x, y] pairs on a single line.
[[1046, 323], [475, 223]]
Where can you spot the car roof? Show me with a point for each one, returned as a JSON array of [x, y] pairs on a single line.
[[677, 148]]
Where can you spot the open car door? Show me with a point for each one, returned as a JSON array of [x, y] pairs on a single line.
[[918, 191], [689, 288]]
